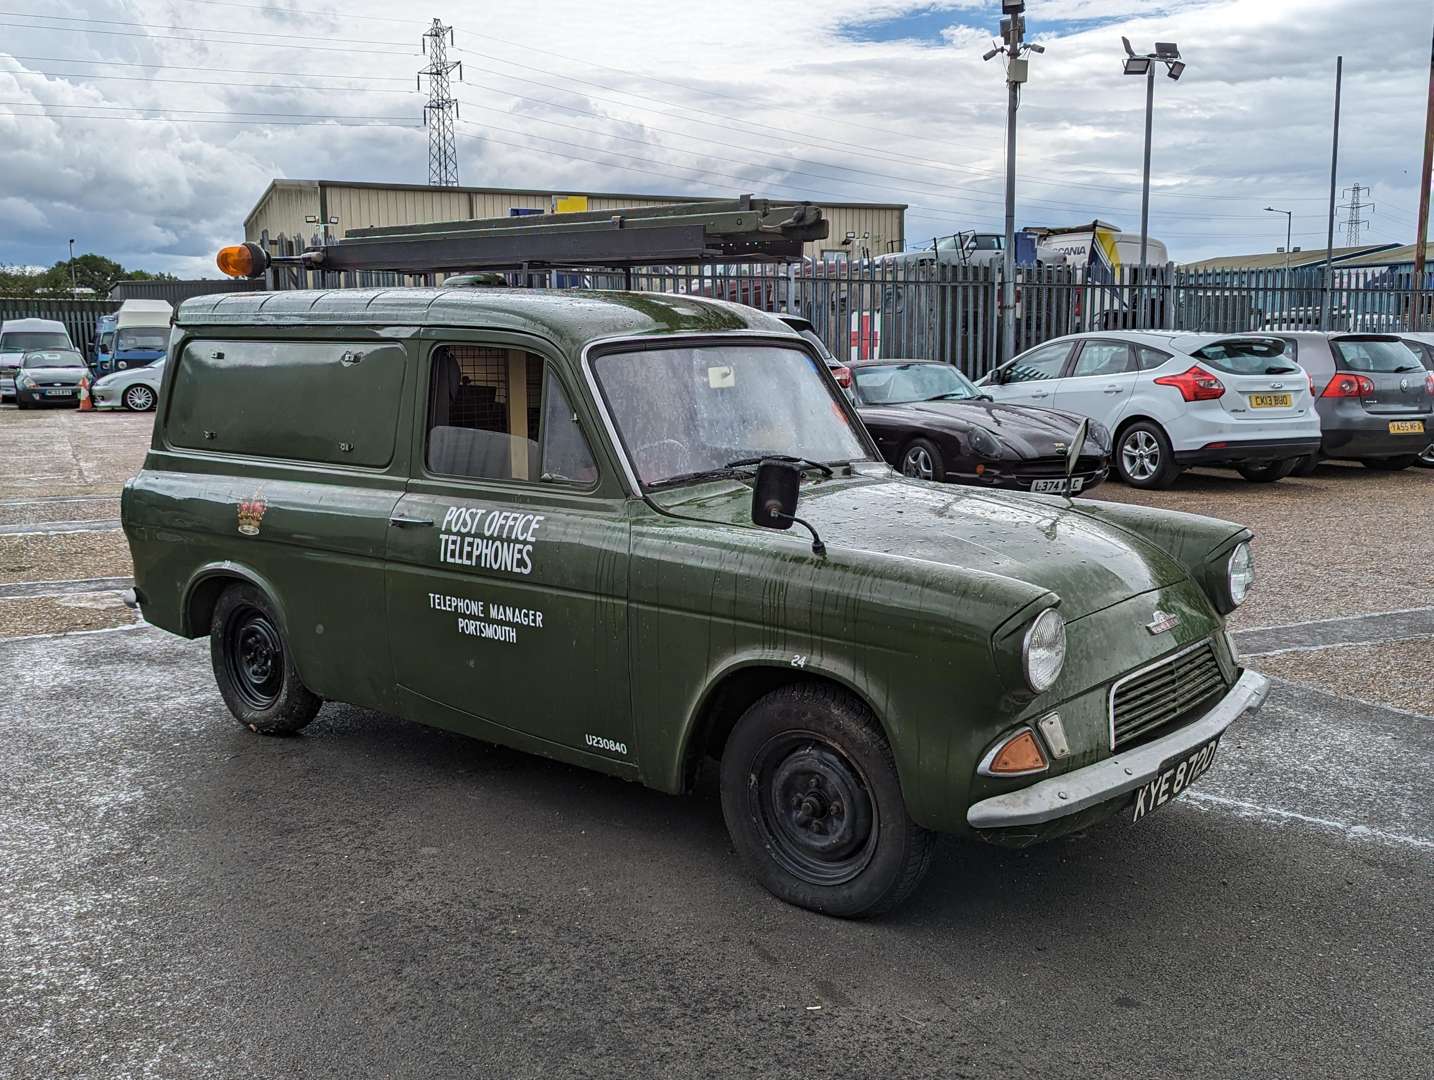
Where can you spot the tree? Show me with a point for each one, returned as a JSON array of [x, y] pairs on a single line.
[[91, 271]]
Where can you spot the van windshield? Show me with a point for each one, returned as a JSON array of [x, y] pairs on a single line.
[[1378, 355], [63, 358], [29, 340], [142, 337], [685, 414]]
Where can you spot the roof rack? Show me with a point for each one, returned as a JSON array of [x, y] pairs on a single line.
[[733, 230]]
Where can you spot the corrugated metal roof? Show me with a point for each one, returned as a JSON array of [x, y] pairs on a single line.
[[1274, 260], [1393, 256]]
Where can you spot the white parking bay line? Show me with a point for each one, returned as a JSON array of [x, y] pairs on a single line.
[[1274, 813]]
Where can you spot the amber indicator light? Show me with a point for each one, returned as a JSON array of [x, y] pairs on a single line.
[[1020, 754]]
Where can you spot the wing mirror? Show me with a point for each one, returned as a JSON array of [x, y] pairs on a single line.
[[775, 492]]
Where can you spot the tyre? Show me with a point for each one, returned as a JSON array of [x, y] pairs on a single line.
[[21, 404], [1267, 472], [253, 666], [1390, 464], [1143, 456], [138, 398], [921, 460], [814, 806], [1426, 459], [1305, 466]]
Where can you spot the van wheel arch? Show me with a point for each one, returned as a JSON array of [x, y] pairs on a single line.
[[205, 589], [734, 694]]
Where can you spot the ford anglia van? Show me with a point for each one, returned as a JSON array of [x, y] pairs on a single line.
[[636, 532]]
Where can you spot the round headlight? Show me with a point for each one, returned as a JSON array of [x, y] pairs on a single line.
[[1043, 653], [1241, 573]]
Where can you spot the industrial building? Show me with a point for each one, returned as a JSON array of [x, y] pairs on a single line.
[[304, 208]]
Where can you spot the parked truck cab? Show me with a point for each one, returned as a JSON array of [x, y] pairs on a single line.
[[140, 336], [633, 532]]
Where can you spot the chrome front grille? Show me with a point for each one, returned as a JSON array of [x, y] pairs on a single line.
[[1164, 693]]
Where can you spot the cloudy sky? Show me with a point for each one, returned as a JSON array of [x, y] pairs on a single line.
[[147, 129]]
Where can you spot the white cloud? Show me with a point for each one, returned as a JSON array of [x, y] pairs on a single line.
[[789, 104]]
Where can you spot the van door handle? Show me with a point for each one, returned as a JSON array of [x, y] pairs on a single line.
[[402, 522]]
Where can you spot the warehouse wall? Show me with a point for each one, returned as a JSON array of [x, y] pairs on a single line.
[[284, 206]]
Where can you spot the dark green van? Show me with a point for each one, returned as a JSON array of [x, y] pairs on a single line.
[[635, 532]]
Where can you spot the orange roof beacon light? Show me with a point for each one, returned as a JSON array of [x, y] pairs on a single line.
[[245, 260]]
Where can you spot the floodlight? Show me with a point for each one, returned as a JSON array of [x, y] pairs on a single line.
[[1167, 50], [1137, 65], [1036, 48], [993, 52], [1177, 69], [311, 219], [1128, 50], [1012, 7]]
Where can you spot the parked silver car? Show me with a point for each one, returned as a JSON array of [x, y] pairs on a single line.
[[49, 377], [1375, 397], [136, 389], [1422, 345]]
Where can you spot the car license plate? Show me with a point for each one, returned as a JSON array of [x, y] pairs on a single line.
[[1175, 775], [1406, 427], [1271, 401], [1059, 485], [58, 393]]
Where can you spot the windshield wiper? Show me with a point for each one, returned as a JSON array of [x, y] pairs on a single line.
[[727, 472], [960, 395], [1280, 370], [805, 463]]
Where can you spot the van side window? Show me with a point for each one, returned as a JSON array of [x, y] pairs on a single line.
[[501, 414]]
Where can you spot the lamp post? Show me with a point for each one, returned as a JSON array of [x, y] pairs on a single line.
[[1289, 236], [1013, 45], [1167, 53], [73, 286]]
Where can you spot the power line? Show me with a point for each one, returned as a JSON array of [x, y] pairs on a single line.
[[202, 41], [200, 120], [166, 26], [197, 82], [783, 166], [194, 67], [166, 109]]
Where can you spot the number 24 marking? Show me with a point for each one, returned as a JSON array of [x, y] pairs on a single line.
[[799, 661]]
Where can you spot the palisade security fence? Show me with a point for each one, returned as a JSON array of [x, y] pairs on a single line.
[[951, 312], [79, 316]]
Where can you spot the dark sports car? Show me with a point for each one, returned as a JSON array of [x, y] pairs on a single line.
[[931, 422]]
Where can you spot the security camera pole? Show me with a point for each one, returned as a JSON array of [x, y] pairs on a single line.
[[1013, 29]]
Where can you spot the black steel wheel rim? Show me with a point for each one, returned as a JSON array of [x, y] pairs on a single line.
[[254, 657], [813, 808]]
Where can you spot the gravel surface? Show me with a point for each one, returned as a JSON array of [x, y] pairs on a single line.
[[62, 614], [65, 452], [48, 510], [57, 557], [1397, 673], [1344, 541]]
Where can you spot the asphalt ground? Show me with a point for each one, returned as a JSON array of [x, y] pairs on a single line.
[[180, 898]]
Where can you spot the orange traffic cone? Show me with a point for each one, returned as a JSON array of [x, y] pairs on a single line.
[[86, 405]]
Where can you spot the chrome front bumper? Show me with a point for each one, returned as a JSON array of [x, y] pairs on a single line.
[[1081, 789]]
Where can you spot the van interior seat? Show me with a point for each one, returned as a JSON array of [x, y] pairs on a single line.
[[463, 451]]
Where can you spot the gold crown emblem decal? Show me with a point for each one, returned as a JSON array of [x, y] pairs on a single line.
[[251, 513]]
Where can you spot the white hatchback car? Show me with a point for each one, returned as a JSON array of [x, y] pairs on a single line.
[[136, 389], [1174, 399]]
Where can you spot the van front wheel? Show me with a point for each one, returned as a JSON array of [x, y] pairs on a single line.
[[814, 806], [253, 667]]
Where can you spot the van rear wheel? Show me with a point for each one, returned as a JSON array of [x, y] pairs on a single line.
[[814, 806], [253, 667]]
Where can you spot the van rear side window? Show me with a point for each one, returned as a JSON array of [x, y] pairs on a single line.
[[332, 402]]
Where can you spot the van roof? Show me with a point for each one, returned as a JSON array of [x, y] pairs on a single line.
[[157, 306], [32, 324], [570, 317]]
